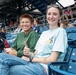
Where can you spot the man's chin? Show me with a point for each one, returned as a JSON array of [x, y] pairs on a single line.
[[27, 30]]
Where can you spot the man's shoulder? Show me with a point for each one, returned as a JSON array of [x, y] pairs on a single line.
[[21, 33], [33, 33]]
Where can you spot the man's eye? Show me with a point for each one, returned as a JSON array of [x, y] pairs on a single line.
[[22, 22]]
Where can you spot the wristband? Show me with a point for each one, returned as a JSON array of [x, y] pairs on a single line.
[[31, 56]]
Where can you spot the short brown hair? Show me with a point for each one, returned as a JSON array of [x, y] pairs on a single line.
[[37, 20], [26, 16]]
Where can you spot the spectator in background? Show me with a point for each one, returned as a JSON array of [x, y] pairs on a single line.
[[3, 31], [50, 47], [70, 25], [16, 24], [64, 24], [0, 24], [3, 42], [36, 25], [7, 22], [68, 14], [74, 11], [11, 23], [18, 30]]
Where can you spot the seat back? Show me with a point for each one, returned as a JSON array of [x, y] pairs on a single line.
[[57, 68], [72, 62], [71, 30], [68, 53], [67, 57], [72, 39], [72, 36]]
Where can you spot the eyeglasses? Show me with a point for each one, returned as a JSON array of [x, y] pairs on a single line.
[[53, 5]]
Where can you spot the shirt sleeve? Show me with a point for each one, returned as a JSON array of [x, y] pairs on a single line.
[[33, 40], [16, 47], [60, 44]]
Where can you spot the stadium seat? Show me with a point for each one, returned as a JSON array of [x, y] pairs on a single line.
[[41, 30], [71, 30], [66, 67], [46, 28], [10, 37], [72, 39], [72, 36]]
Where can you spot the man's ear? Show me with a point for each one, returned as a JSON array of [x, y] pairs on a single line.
[[32, 24]]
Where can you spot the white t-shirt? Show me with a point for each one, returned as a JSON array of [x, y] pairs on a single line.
[[52, 40]]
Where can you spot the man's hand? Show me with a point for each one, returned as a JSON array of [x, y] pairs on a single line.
[[26, 51], [25, 58], [10, 51]]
